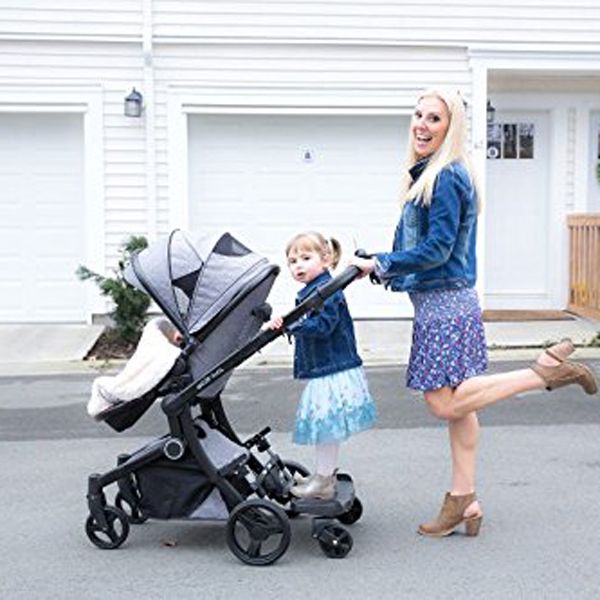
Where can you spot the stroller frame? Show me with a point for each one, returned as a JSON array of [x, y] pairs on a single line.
[[258, 529]]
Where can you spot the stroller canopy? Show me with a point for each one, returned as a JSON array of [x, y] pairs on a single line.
[[193, 282]]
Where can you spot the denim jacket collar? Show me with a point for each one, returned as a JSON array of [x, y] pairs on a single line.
[[417, 169], [311, 285]]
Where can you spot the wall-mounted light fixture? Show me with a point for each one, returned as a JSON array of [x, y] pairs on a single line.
[[134, 104], [490, 112]]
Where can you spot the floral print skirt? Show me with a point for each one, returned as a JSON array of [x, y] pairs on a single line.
[[333, 407], [448, 341]]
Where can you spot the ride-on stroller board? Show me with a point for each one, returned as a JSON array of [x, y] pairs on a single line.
[[214, 292]]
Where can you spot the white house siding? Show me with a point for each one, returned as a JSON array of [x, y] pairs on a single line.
[[70, 19], [115, 67], [330, 53], [426, 22], [304, 76]]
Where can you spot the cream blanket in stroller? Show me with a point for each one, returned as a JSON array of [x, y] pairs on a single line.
[[153, 358]]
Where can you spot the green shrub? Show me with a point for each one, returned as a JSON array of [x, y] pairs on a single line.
[[129, 313]]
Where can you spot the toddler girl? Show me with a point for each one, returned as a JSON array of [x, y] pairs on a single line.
[[336, 402]]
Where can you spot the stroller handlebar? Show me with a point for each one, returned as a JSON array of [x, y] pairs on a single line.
[[175, 403], [316, 299]]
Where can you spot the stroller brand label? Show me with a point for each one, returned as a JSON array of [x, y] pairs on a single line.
[[210, 378]]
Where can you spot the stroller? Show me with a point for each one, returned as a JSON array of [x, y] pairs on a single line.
[[214, 291]]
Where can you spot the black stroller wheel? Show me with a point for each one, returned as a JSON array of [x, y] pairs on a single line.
[[353, 514], [335, 541], [133, 512], [116, 532], [258, 532]]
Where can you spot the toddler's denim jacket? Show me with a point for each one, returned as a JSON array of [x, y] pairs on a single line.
[[324, 339], [434, 246]]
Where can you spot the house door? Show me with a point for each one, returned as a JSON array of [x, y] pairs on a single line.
[[517, 210], [594, 164]]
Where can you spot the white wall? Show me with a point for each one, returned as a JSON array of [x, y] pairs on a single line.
[[431, 22], [335, 53]]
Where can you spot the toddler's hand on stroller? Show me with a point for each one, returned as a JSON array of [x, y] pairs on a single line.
[[275, 323], [177, 338]]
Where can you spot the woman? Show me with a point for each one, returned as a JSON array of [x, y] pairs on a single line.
[[433, 259]]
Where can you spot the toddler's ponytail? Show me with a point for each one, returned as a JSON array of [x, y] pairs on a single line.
[[335, 252]]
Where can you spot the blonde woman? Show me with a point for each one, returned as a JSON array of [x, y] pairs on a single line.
[[433, 259]]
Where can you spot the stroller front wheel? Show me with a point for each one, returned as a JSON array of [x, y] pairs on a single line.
[[115, 533], [258, 532]]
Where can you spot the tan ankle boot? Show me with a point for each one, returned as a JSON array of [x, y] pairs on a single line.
[[301, 479], [452, 514], [566, 373], [320, 487], [562, 350]]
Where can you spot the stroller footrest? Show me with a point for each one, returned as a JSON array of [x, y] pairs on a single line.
[[339, 504]]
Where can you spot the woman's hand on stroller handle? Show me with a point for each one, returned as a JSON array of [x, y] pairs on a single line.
[[366, 265]]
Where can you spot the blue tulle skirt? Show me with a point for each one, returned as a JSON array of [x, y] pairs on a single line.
[[334, 407]]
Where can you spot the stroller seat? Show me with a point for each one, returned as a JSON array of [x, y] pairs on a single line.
[[138, 382], [222, 451]]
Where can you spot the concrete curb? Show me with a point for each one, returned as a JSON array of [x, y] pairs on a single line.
[[97, 368]]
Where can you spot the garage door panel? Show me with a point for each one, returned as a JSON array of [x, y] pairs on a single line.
[[10, 247], [284, 174], [42, 211], [11, 299]]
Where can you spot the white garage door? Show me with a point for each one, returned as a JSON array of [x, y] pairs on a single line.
[[266, 178], [41, 217]]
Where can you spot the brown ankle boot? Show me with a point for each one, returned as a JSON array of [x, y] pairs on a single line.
[[451, 516], [561, 350], [566, 373]]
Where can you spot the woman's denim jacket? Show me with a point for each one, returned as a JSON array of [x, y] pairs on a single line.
[[324, 339], [434, 246]]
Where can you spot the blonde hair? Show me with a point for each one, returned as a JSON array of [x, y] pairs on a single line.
[[330, 250], [452, 149]]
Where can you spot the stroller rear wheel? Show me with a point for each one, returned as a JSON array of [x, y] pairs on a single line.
[[353, 514], [258, 532], [115, 533], [335, 541], [133, 513]]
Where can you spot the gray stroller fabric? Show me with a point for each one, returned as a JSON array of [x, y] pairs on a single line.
[[192, 283], [209, 289], [219, 448], [222, 452]]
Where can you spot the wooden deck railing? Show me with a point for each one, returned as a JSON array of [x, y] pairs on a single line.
[[584, 264]]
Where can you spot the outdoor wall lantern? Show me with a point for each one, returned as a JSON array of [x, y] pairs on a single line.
[[134, 104], [490, 111]]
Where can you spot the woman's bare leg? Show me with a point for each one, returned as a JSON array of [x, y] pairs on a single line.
[[458, 407], [464, 436], [481, 391]]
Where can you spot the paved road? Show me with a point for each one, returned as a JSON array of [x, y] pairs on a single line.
[[52, 407], [539, 482]]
